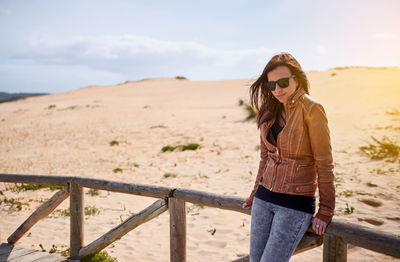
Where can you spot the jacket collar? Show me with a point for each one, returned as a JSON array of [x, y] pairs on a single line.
[[295, 96]]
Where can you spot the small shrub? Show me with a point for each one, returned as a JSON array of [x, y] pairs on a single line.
[[251, 114], [136, 165], [168, 148], [349, 210], [61, 212], [383, 149], [166, 175], [51, 106], [102, 256], [26, 187], [66, 253], [114, 143], [42, 248], [93, 192], [117, 170], [53, 249], [346, 193], [192, 146], [91, 211], [181, 78], [13, 203], [333, 74]]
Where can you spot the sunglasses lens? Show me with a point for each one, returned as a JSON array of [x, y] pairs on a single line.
[[284, 82], [270, 85]]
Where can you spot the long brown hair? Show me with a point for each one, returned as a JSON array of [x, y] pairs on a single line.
[[270, 106]]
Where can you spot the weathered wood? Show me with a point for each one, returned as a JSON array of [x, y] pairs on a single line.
[[245, 258], [41, 212], [35, 179], [122, 229], [375, 240], [177, 230], [76, 219], [13, 253], [135, 189], [335, 249], [212, 200], [372, 239], [309, 241]]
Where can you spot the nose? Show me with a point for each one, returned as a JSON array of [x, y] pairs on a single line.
[[277, 87]]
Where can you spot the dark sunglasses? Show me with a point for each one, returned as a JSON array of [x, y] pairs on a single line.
[[283, 83]]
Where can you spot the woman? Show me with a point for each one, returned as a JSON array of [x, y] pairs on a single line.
[[296, 158]]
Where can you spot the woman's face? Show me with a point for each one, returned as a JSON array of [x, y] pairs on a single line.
[[282, 94]]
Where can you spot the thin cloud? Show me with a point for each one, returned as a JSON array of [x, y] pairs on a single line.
[[139, 54], [4, 11]]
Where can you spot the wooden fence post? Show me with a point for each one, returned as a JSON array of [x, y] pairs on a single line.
[[177, 231], [335, 249], [76, 219]]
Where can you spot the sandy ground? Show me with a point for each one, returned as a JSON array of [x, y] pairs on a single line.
[[70, 134]]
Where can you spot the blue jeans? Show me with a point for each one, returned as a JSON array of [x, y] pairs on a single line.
[[275, 231]]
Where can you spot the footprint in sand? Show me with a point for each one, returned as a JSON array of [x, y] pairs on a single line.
[[371, 202], [216, 243], [372, 221]]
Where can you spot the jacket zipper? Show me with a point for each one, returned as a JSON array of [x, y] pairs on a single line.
[[275, 167]]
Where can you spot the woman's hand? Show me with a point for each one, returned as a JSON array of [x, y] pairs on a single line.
[[318, 226], [248, 203]]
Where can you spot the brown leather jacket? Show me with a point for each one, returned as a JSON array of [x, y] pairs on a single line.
[[301, 159]]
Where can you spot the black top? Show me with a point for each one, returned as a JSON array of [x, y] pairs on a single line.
[[301, 203], [297, 202], [276, 129]]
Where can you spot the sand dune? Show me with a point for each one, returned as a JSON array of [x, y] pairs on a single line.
[[70, 133]]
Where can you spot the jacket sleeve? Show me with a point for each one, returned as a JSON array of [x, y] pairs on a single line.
[[318, 130], [261, 167]]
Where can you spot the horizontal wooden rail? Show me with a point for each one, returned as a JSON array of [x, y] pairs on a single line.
[[211, 200], [36, 179], [128, 188], [365, 237]]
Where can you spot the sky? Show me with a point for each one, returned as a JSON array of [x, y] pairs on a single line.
[[55, 46]]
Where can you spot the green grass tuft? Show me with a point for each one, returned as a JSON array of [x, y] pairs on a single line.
[[93, 192], [181, 78], [102, 256], [91, 211], [117, 170], [168, 148], [114, 143], [166, 175], [190, 146], [384, 149], [26, 187]]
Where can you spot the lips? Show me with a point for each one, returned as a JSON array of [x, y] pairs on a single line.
[[280, 95]]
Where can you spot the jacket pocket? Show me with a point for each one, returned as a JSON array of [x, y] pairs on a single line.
[[305, 174], [305, 188]]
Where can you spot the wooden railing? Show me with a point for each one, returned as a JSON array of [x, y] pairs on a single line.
[[335, 240]]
